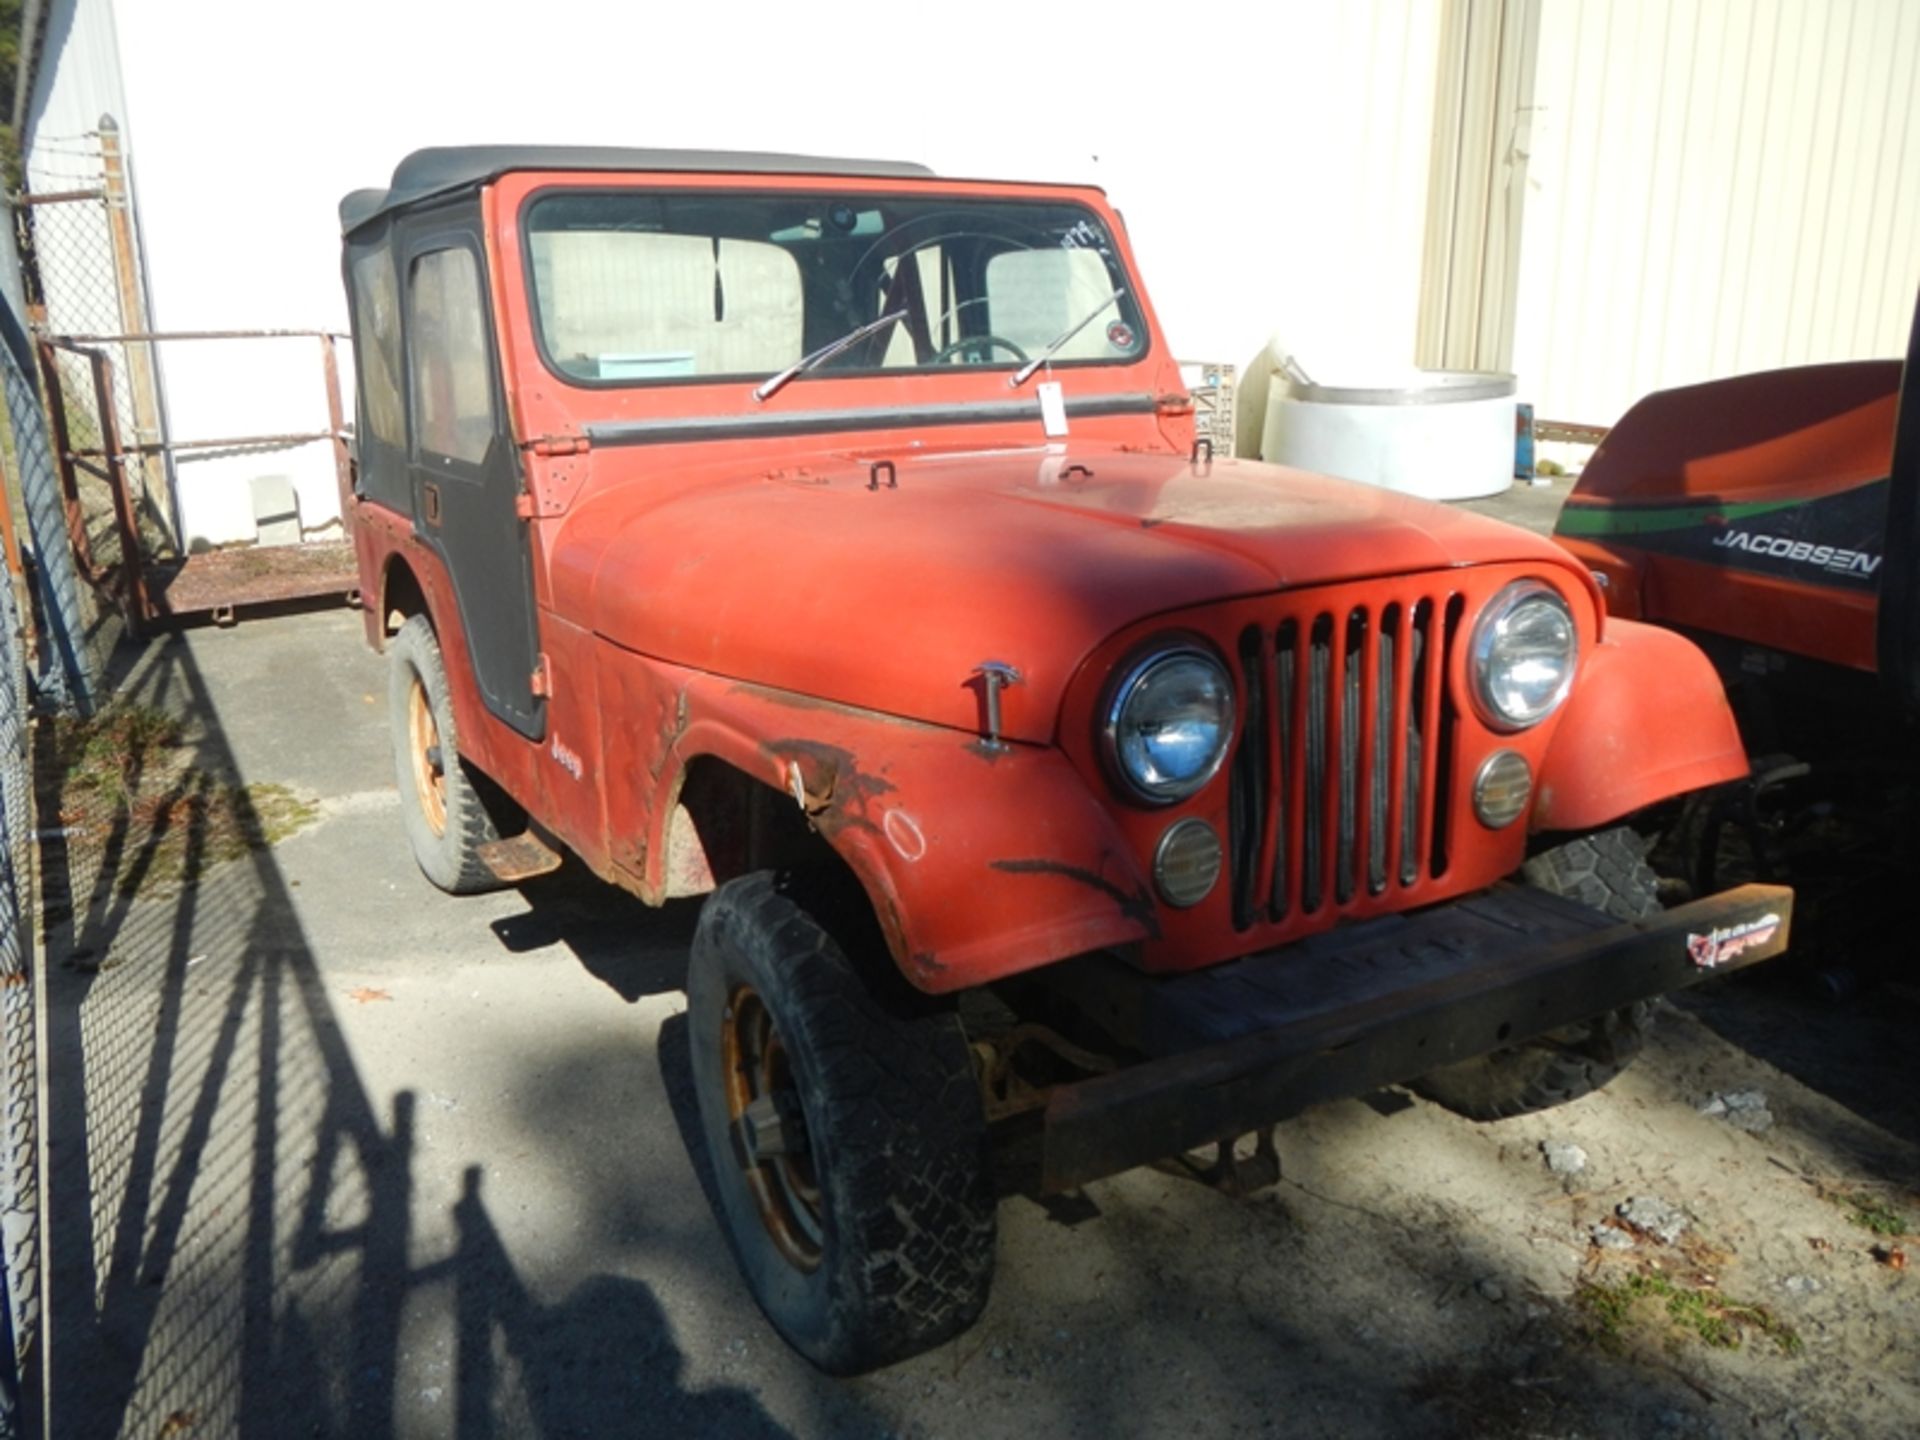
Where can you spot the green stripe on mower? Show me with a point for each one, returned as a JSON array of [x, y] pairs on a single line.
[[1647, 520]]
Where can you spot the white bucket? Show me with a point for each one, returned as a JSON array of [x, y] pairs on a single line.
[[1440, 434]]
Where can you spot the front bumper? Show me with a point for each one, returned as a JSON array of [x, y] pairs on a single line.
[[1239, 1046]]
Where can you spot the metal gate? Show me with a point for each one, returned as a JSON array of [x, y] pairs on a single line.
[[98, 360], [100, 469]]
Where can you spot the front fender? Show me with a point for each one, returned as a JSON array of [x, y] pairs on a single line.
[[979, 862], [1647, 720]]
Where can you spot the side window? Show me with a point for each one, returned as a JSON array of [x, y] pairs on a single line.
[[376, 319], [448, 362]]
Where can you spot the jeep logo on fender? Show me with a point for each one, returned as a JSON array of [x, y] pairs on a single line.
[[1801, 552]]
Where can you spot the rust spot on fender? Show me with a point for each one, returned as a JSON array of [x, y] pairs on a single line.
[[834, 790], [672, 732], [894, 928], [1137, 907]]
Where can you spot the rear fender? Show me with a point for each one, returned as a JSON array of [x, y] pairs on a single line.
[[1647, 720]]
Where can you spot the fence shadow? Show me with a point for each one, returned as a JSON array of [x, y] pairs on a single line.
[[236, 1229]]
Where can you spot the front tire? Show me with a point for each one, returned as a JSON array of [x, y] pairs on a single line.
[[440, 802], [1608, 872], [844, 1124]]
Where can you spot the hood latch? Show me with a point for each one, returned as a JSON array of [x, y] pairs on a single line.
[[995, 676]]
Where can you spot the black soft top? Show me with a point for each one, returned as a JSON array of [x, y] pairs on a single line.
[[445, 169]]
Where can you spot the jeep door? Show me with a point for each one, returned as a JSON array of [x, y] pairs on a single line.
[[463, 467]]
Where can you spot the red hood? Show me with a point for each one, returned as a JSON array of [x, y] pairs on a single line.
[[890, 599]]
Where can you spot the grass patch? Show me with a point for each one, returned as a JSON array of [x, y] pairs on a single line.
[[1611, 1311], [129, 788], [104, 758], [1869, 1212]]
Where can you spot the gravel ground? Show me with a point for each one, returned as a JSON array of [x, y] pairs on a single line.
[[336, 1155]]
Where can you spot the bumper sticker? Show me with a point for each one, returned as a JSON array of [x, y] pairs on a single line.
[[1718, 946]]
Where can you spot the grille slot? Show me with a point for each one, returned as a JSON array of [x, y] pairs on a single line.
[[1338, 787]]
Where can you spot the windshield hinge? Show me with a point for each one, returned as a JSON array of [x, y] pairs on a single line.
[[540, 682], [548, 446]]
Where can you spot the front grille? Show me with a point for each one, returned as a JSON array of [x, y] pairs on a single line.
[[1339, 784]]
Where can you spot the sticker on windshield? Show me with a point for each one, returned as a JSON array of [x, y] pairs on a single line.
[[1120, 335], [1083, 236]]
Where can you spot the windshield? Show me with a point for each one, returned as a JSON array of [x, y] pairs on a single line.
[[633, 288]]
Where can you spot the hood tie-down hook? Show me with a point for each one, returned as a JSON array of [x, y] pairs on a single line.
[[995, 676], [873, 475]]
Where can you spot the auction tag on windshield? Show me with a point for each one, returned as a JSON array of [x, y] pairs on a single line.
[[1053, 408]]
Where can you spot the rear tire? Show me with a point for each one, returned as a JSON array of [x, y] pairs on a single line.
[[859, 1203], [1608, 872], [445, 815]]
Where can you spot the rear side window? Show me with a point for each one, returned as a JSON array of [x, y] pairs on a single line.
[[376, 319], [452, 389]]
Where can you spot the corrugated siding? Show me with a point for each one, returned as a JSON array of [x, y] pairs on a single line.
[[1717, 186], [78, 81]]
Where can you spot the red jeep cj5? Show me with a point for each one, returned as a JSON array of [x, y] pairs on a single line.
[[832, 537]]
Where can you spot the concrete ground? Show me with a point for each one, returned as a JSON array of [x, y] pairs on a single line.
[[333, 1154]]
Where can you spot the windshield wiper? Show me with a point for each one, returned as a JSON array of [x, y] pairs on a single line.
[[825, 353], [1025, 372]]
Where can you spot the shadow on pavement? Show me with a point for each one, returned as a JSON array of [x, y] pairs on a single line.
[[234, 1223], [599, 923]]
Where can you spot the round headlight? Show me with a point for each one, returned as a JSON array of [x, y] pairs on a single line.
[[1524, 648], [1169, 724]]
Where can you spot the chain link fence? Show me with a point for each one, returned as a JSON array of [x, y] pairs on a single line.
[[29, 662], [80, 268], [19, 1068], [76, 276]]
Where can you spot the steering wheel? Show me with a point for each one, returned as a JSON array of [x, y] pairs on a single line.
[[982, 346]]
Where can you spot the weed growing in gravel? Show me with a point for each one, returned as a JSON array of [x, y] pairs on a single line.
[[1869, 1212], [129, 790], [1709, 1317]]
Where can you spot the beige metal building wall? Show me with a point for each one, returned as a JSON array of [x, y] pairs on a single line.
[[1715, 186]]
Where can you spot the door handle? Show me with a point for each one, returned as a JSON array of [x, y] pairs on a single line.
[[430, 501]]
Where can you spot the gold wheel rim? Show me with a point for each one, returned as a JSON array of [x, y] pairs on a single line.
[[785, 1189], [429, 775]]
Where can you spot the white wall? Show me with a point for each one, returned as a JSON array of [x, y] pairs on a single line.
[[1716, 186], [1270, 158]]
